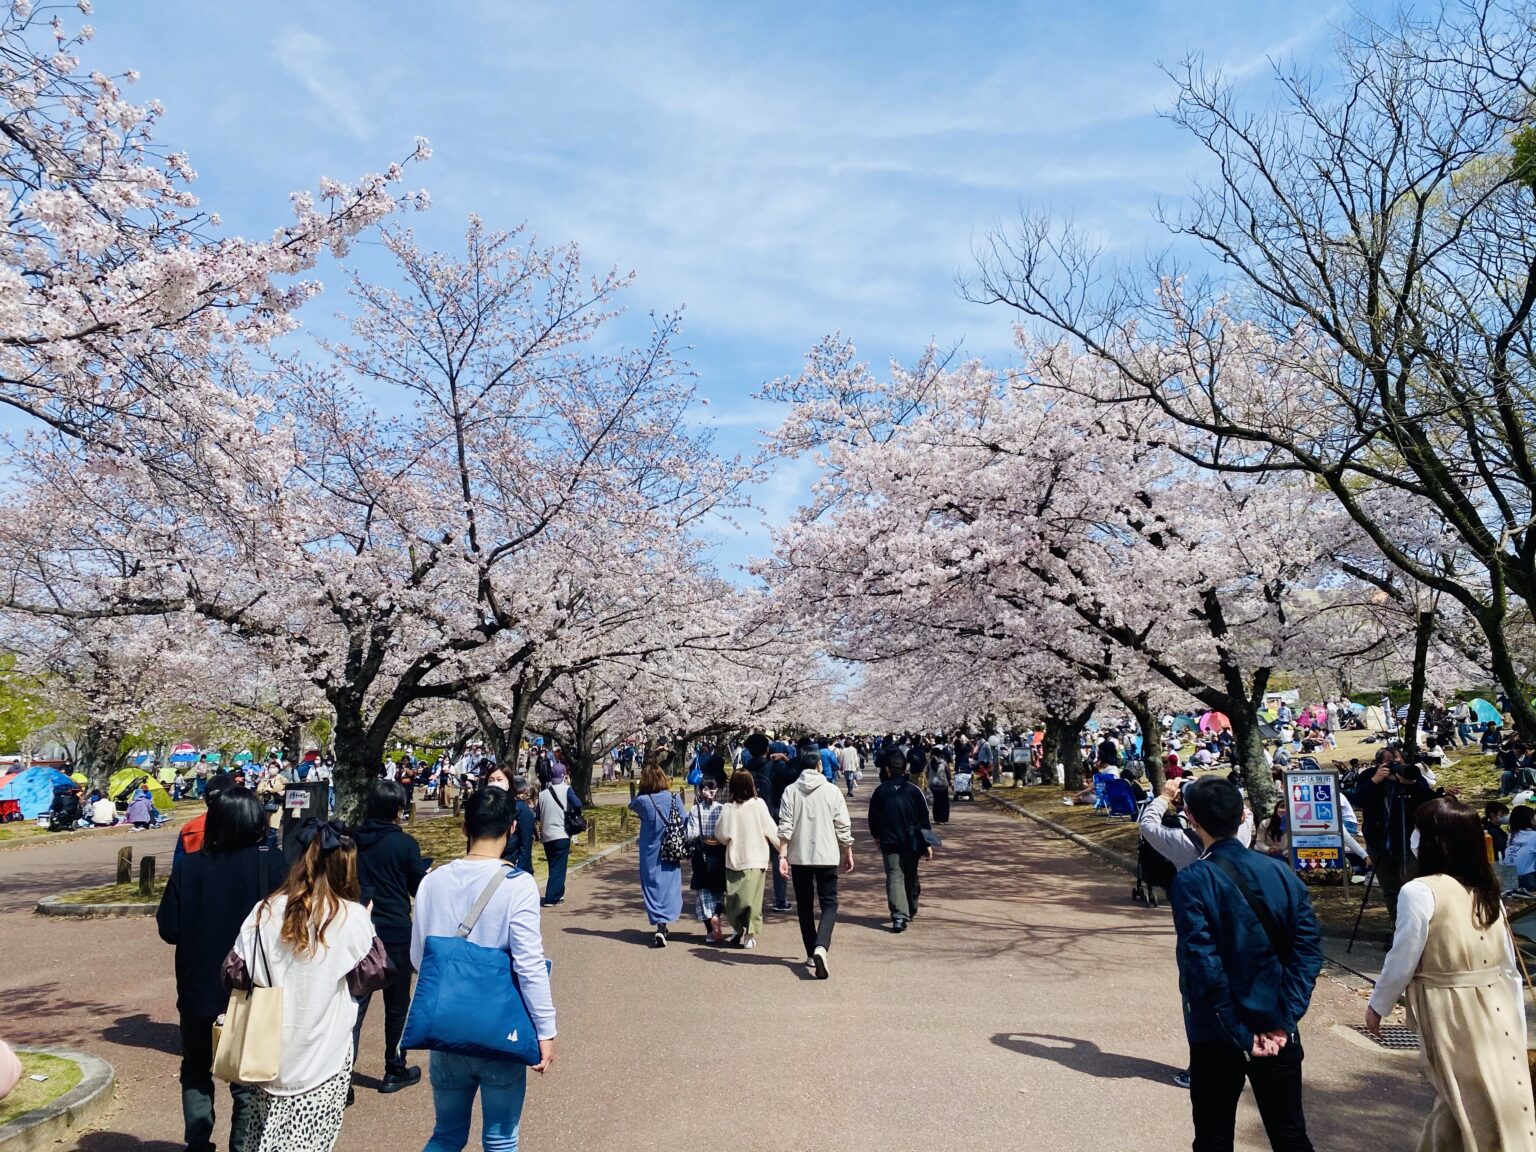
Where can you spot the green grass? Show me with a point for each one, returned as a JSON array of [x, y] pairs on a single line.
[[113, 894], [28, 1094], [20, 830], [442, 838]]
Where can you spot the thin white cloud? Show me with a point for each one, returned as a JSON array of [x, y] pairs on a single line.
[[308, 58]]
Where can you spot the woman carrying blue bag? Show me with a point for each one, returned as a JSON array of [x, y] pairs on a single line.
[[500, 906]]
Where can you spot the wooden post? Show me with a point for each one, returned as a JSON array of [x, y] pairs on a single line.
[[591, 832], [631, 789], [624, 821], [455, 803], [147, 876], [125, 864]]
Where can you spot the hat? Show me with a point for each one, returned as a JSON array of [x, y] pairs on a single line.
[[557, 773]]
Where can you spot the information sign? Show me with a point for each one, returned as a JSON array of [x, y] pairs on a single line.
[[1313, 820]]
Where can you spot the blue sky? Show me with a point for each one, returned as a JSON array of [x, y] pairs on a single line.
[[782, 170]]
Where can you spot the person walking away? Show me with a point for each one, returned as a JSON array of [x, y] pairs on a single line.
[[525, 826], [848, 757], [510, 923], [554, 802], [1386, 801], [209, 895], [751, 839], [938, 787], [661, 879], [1453, 955], [898, 821], [708, 858], [781, 771], [1249, 954], [313, 940], [390, 868], [190, 838], [814, 833]]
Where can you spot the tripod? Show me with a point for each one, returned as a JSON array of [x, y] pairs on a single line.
[[1370, 879]]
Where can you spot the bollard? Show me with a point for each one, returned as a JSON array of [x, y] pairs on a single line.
[[125, 864], [455, 803], [624, 821], [147, 876], [592, 832], [631, 790]]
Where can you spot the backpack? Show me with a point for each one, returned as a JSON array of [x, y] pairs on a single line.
[[672, 845]]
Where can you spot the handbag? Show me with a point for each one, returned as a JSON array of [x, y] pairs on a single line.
[[247, 1049], [468, 1000], [672, 848], [575, 822]]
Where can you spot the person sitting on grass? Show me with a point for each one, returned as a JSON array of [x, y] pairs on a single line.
[[1520, 852]]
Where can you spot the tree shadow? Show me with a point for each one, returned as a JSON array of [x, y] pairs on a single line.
[[139, 1031], [1086, 1057], [122, 1142]]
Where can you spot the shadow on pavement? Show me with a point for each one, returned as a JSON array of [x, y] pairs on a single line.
[[637, 936], [139, 1031], [122, 1142], [1086, 1057]]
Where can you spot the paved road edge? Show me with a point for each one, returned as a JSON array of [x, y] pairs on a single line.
[[53, 906], [74, 1110]]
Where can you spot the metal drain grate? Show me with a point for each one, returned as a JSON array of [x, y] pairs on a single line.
[[1393, 1036]]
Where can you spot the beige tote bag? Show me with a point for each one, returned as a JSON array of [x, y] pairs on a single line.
[[247, 1049]]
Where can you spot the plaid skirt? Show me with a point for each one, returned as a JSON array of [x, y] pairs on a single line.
[[707, 904]]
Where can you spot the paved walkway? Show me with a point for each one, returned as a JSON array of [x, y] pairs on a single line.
[[1030, 1002]]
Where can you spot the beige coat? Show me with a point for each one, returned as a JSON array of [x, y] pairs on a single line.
[[1470, 1028]]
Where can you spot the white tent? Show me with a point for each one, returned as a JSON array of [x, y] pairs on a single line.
[[1376, 720]]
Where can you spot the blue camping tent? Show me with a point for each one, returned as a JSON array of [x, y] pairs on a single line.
[[1484, 712], [34, 790]]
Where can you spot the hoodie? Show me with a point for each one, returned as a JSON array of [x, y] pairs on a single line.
[[813, 817], [390, 867]]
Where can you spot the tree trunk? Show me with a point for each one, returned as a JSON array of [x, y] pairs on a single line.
[[293, 741], [1151, 736], [1071, 749], [1250, 759], [1423, 630], [359, 761], [1049, 750], [97, 753]]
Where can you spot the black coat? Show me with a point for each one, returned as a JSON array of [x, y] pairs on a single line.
[[781, 774], [897, 814], [389, 870], [206, 900]]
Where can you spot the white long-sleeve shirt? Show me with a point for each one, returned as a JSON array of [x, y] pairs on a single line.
[[510, 922], [1415, 909]]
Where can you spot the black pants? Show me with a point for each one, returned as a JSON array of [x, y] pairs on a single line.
[[940, 803], [820, 881], [1392, 873], [397, 1003], [197, 1089], [1216, 1075], [557, 855]]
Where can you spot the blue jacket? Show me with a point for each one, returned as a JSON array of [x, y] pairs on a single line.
[[1232, 982], [830, 764]]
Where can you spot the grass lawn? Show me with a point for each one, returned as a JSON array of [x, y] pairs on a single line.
[[30, 1094], [20, 830], [114, 894], [442, 838]]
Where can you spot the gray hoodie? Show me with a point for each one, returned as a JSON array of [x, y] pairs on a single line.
[[813, 817]]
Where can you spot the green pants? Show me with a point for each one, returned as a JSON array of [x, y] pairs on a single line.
[[744, 899], [901, 886]]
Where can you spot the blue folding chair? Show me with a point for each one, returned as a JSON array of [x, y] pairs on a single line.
[[1101, 781], [1119, 799]]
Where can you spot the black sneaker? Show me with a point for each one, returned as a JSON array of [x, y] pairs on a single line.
[[1181, 1079], [783, 908], [660, 939], [398, 1078], [898, 925]]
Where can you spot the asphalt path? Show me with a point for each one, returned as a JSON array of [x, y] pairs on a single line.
[[1030, 1004]]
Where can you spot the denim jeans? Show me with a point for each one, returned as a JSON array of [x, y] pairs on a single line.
[[501, 1085], [557, 854], [780, 883]]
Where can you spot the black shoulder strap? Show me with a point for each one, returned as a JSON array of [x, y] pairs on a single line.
[[555, 798], [1261, 910]]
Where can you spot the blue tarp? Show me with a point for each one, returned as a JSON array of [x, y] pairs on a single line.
[[1484, 712], [34, 790]]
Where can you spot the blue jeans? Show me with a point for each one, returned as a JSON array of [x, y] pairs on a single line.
[[557, 854], [455, 1079]]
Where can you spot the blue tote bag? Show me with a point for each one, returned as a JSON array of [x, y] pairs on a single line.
[[467, 998]]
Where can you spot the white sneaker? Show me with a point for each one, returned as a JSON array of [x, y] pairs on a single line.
[[749, 942], [819, 963]]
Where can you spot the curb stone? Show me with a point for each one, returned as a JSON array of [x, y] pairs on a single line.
[[1128, 863], [72, 1111], [611, 850], [53, 906]]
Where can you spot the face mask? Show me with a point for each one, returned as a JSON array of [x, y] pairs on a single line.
[[498, 784], [1413, 843]]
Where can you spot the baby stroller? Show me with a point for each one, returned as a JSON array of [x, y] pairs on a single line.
[[962, 786], [1153, 869], [64, 815]]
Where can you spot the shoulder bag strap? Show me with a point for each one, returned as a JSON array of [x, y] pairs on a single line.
[[261, 949], [1261, 910], [467, 925], [556, 798]]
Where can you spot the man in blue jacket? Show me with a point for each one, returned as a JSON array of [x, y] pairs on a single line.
[[1249, 955]]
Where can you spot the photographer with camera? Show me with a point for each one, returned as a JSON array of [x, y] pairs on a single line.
[[1386, 800], [1164, 826]]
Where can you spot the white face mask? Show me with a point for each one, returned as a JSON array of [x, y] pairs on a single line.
[[1413, 843], [498, 784]]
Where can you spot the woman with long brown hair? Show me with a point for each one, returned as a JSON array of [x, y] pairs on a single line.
[[312, 939], [1453, 955], [660, 850]]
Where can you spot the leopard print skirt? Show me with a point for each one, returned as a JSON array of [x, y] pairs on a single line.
[[308, 1122]]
